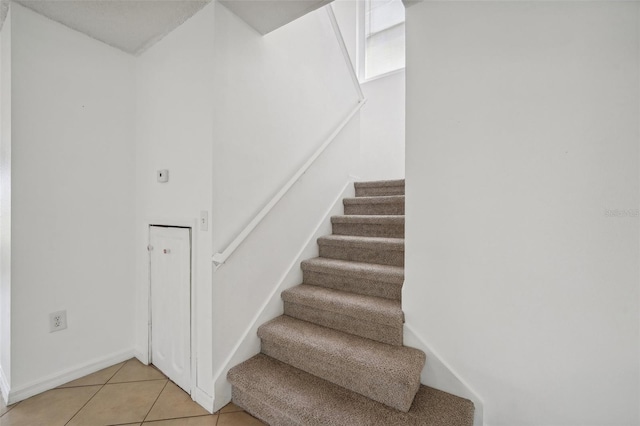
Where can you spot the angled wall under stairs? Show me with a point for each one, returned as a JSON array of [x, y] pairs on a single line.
[[336, 356]]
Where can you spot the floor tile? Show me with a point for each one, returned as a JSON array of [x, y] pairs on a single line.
[[238, 419], [119, 403], [230, 408], [209, 420], [3, 406], [98, 378], [51, 408], [174, 402], [134, 371]]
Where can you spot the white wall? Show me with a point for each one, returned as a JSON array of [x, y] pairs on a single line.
[[382, 130], [346, 12], [72, 198], [278, 97], [174, 131], [5, 207], [522, 132], [382, 124]]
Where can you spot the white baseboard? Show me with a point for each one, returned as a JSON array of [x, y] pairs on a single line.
[[4, 386], [203, 399], [438, 374], [249, 344], [56, 379]]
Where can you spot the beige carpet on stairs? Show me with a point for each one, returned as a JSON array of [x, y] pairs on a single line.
[[336, 357]]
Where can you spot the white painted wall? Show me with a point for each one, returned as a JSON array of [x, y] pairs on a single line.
[[382, 130], [522, 132], [230, 113], [72, 198], [382, 124], [5, 208], [174, 131], [347, 18], [278, 97]]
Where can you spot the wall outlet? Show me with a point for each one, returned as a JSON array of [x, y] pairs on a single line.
[[57, 321]]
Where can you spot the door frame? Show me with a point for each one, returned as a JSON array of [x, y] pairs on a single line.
[[192, 225]]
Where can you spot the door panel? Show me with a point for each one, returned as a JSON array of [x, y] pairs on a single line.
[[170, 258]]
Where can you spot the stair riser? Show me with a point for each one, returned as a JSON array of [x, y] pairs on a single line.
[[354, 284], [258, 408], [374, 209], [379, 191], [369, 230], [379, 332], [384, 389], [284, 396], [381, 255]]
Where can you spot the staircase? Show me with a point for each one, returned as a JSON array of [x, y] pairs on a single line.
[[336, 356]]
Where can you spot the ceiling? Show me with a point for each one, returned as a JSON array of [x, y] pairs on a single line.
[[267, 15], [135, 25], [129, 25]]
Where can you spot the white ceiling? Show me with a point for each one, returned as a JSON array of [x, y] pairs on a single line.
[[135, 25], [129, 25]]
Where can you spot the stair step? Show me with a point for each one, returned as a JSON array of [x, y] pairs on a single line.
[[282, 395], [385, 373], [380, 187], [383, 251], [356, 277], [369, 225], [387, 205], [365, 316]]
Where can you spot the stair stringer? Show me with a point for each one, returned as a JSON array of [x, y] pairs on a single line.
[[438, 374], [249, 344]]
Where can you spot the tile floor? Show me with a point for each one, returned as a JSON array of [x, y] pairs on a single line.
[[128, 393]]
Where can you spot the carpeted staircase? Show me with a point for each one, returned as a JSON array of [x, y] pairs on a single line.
[[336, 355]]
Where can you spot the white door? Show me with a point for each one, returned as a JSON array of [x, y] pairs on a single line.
[[170, 257]]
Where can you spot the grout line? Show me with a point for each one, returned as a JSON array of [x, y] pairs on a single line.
[[172, 418], [134, 381], [117, 371], [154, 402], [11, 407], [85, 404], [97, 392]]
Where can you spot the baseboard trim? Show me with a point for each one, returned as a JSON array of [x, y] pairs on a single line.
[[4, 386], [223, 388], [203, 399], [54, 380], [447, 379]]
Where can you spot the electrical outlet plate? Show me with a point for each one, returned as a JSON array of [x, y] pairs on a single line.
[[57, 321]]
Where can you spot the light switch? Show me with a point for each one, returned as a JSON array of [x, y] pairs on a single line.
[[163, 176]]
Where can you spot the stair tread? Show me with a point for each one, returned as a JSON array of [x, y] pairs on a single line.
[[367, 308], [365, 242], [394, 274], [379, 183], [304, 399], [400, 362], [375, 219], [379, 199]]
